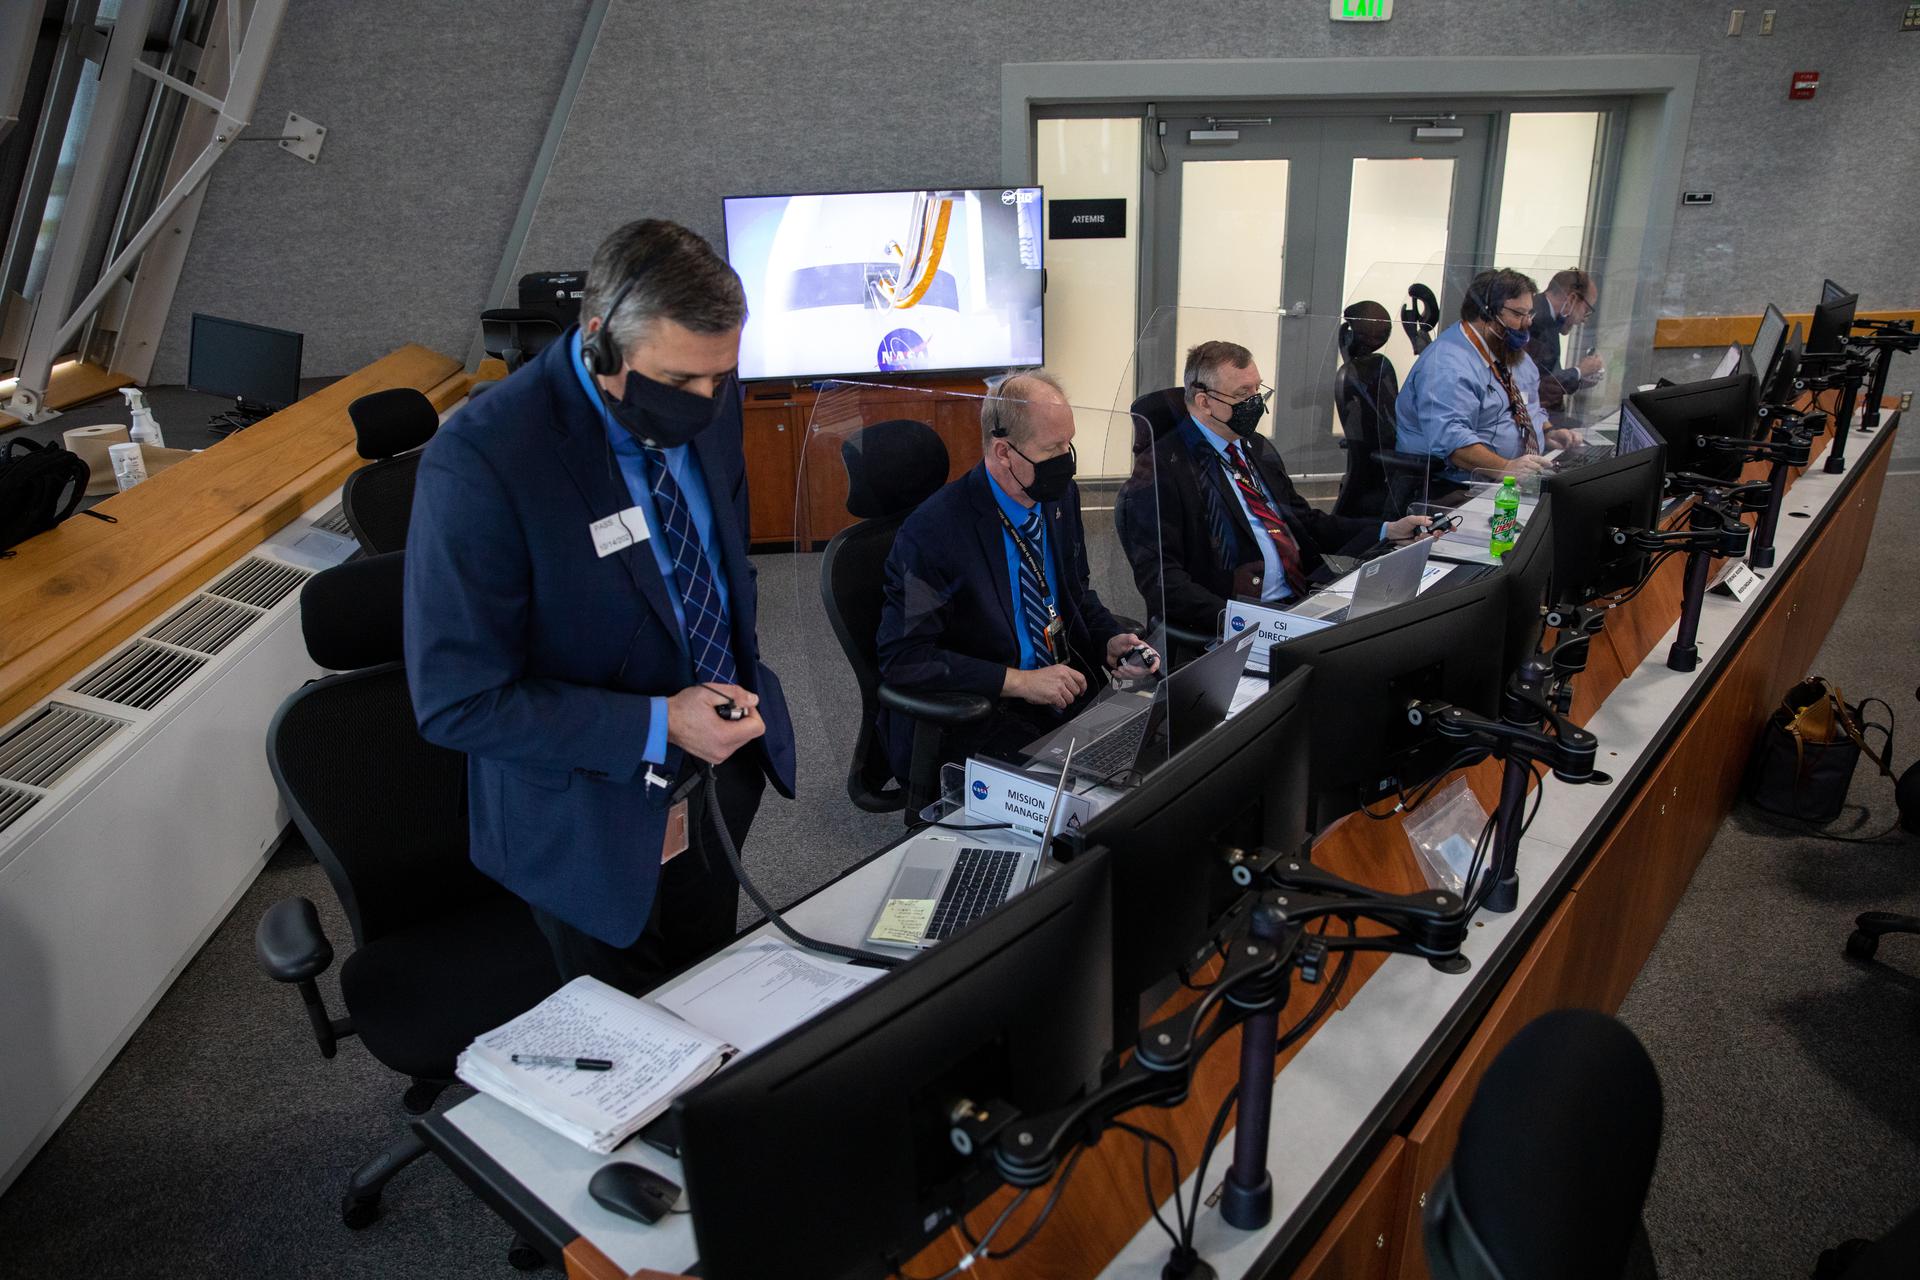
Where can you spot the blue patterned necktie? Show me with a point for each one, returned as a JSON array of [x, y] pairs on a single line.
[[709, 638], [1226, 544], [1033, 591]]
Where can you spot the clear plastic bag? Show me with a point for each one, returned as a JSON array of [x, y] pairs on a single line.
[[1443, 833]]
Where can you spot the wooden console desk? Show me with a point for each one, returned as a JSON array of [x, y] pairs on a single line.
[[1368, 1107], [79, 589]]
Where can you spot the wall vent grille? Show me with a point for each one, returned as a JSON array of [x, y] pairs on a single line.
[[207, 625], [141, 675], [334, 521], [260, 583], [14, 803], [54, 740]]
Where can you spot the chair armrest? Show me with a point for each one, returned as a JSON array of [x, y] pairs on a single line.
[[290, 944], [1190, 639], [938, 708]]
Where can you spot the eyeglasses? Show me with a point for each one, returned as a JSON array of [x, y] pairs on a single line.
[[1514, 312], [1261, 392]]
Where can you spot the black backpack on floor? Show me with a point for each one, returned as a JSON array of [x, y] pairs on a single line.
[[40, 485]]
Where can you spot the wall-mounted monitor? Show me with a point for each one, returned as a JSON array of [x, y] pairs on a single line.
[[886, 282]]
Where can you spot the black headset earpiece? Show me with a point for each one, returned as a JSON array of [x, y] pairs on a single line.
[[597, 351]]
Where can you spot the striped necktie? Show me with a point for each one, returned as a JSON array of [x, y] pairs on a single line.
[[1033, 590], [1264, 515], [709, 638]]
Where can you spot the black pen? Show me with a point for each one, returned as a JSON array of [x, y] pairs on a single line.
[[551, 1060]]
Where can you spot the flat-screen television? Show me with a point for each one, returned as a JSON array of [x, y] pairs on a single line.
[[888, 281]]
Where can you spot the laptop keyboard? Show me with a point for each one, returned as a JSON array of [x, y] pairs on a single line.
[[980, 881], [1114, 751]]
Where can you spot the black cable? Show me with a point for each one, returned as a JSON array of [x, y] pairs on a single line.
[[1148, 1141], [973, 1254], [1033, 1229], [1214, 1131], [725, 837]]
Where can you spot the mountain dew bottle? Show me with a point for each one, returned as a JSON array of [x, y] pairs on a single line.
[[1506, 518]]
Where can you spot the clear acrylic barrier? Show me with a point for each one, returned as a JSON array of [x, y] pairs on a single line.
[[928, 603]]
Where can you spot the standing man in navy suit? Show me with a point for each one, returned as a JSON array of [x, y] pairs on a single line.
[[987, 583], [580, 610]]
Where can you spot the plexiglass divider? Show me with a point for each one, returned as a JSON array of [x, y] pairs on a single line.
[[905, 574]]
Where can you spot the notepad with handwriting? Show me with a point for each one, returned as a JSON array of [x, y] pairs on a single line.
[[655, 1055]]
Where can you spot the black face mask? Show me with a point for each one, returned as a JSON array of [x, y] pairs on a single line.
[[1050, 476], [1246, 417], [664, 417]]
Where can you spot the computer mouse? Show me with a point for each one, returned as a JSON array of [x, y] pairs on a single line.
[[634, 1192]]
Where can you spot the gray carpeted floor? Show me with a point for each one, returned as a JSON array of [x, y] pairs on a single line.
[[219, 1141], [1792, 1074]]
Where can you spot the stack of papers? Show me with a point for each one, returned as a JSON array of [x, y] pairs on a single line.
[[654, 1056], [660, 1046]]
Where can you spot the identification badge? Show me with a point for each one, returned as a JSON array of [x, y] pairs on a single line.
[[675, 842], [618, 531], [1056, 627]]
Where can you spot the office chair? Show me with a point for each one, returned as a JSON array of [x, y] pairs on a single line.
[[515, 335], [892, 467], [1155, 414], [1550, 1175], [1869, 928], [389, 427], [1364, 394], [440, 952]]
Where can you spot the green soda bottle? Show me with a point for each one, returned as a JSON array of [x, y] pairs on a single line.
[[1506, 518]]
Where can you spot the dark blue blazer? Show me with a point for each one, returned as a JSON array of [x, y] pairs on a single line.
[[947, 624], [536, 657]]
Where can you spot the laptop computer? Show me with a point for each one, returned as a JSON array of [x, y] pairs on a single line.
[[1378, 584], [939, 889], [1121, 731]]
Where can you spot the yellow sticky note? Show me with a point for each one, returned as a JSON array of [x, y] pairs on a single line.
[[903, 920]]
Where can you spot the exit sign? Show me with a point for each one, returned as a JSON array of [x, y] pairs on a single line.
[[1359, 10]]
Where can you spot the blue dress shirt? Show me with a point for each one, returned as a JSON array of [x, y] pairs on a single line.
[[630, 455], [1451, 399], [1030, 659]]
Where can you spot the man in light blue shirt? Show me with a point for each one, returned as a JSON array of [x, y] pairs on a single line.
[[1472, 399]]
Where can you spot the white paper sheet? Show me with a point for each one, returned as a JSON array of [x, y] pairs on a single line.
[[752, 995]]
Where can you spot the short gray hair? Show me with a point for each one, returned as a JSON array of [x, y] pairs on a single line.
[[675, 274], [1005, 408], [1206, 359]]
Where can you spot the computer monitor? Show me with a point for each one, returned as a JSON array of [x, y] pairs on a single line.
[[1832, 320], [831, 1145], [555, 294], [255, 365], [1684, 413], [1767, 340], [864, 282], [1244, 786], [1786, 370], [1588, 505], [1528, 568], [1441, 647], [1729, 362]]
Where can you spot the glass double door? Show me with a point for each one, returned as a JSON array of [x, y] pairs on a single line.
[[1265, 231]]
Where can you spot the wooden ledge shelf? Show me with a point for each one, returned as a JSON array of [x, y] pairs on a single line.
[[74, 592]]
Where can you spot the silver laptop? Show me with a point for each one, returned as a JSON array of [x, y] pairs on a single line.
[[946, 882], [1379, 584]]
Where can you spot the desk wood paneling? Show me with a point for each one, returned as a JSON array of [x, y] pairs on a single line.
[[77, 590]]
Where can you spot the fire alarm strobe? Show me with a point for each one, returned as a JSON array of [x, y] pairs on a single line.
[[1804, 84]]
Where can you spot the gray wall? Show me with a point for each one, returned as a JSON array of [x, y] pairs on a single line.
[[434, 113], [396, 234]]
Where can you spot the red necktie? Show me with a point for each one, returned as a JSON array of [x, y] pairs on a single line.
[[1263, 514]]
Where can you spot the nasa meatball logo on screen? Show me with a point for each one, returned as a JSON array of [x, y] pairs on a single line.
[[901, 349], [1239, 623], [979, 789]]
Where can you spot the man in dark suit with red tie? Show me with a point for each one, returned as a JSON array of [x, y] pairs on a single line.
[[1231, 525]]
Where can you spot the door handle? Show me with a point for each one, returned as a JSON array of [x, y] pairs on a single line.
[[1297, 309]]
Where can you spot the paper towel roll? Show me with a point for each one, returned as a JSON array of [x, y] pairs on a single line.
[[91, 444]]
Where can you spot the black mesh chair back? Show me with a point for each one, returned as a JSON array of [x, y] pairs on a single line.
[[515, 335], [1155, 414], [1555, 1155], [378, 502], [389, 423], [892, 467]]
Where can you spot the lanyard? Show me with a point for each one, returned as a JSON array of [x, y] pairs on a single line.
[[1522, 420]]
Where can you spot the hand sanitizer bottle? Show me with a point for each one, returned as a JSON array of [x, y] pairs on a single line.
[[143, 429]]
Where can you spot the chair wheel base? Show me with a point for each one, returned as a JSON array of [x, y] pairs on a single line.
[[1861, 945], [359, 1214], [524, 1257]]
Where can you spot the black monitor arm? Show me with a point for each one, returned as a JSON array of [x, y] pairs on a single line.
[[1789, 443], [1714, 528], [1885, 338]]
